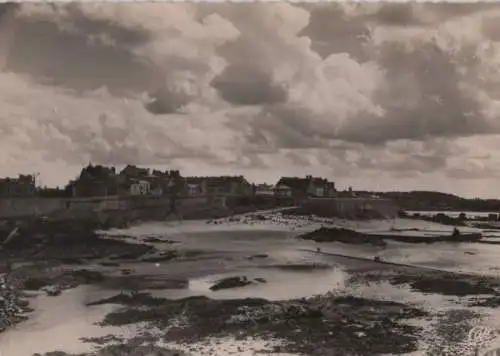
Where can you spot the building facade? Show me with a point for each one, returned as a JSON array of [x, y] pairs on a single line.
[[303, 188], [24, 185], [221, 185], [264, 190], [140, 187], [283, 191]]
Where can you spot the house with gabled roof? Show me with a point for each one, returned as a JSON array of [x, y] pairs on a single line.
[[302, 188]]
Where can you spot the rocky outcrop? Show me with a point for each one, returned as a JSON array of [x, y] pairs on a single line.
[[70, 242], [326, 234], [419, 239], [230, 282], [160, 256]]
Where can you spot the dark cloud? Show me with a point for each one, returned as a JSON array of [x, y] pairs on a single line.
[[332, 31], [283, 127], [88, 53], [424, 14], [396, 15], [247, 86], [247, 78], [422, 97], [72, 59], [456, 9], [122, 36], [165, 101]]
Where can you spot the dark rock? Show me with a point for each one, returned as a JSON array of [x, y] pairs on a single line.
[[34, 283], [230, 282], [109, 264], [127, 255], [125, 299], [258, 255], [347, 236], [451, 285], [299, 267], [161, 256], [336, 326], [152, 239]]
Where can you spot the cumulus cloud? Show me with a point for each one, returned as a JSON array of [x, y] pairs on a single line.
[[343, 90]]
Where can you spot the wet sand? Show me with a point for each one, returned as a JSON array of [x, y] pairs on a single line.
[[207, 253]]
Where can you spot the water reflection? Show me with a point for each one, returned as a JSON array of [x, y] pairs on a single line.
[[58, 323], [279, 285]]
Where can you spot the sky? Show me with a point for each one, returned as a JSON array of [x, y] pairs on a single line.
[[377, 96]]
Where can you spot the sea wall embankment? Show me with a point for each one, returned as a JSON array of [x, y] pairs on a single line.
[[351, 207], [138, 207]]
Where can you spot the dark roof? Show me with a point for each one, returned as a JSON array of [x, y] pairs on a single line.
[[317, 181], [303, 183], [216, 179], [131, 169], [294, 182]]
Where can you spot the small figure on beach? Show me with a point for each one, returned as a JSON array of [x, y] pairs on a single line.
[[455, 232], [377, 259], [318, 250]]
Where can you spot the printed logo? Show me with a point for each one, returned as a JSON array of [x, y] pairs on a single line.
[[480, 336]]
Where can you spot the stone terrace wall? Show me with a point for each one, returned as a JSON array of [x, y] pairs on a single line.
[[29, 206], [21, 207], [350, 207]]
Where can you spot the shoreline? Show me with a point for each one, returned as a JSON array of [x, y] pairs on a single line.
[[294, 322]]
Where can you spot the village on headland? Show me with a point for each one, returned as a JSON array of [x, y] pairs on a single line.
[[108, 191], [104, 189]]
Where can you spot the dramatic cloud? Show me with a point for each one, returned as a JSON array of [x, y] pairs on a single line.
[[388, 96]]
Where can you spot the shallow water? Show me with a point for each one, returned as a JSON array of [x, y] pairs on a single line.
[[280, 285], [59, 322]]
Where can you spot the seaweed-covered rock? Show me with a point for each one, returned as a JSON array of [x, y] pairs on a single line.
[[325, 234], [230, 282]]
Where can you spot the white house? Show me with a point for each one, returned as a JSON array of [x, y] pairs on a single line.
[[140, 187]]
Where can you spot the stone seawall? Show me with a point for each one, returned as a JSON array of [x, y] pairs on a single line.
[[351, 207], [29, 206], [25, 207]]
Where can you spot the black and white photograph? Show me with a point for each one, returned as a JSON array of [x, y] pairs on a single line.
[[249, 178]]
